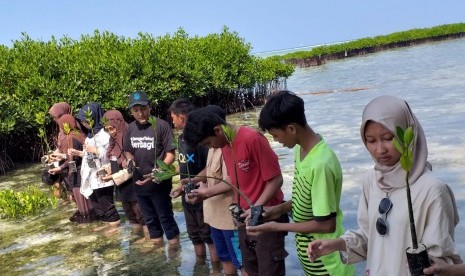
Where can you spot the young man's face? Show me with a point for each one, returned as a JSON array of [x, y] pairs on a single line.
[[217, 141], [141, 113], [285, 136], [178, 120]]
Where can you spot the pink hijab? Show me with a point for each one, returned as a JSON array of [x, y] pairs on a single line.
[[116, 120], [56, 111], [391, 112]]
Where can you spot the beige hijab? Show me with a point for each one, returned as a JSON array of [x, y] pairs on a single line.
[[391, 112]]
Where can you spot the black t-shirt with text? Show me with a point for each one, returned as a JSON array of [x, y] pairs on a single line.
[[141, 141]]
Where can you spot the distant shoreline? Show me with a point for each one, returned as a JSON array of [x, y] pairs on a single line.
[[322, 59]]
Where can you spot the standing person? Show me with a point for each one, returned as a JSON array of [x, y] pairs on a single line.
[[142, 146], [192, 161], [74, 140], [117, 127], [251, 159], [434, 206], [317, 185], [94, 156], [217, 196], [56, 111]]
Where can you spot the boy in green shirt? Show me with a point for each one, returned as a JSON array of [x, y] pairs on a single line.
[[317, 184]]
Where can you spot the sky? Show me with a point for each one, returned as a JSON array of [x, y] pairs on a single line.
[[267, 25]]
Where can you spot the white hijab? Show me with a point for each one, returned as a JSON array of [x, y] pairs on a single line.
[[391, 112]]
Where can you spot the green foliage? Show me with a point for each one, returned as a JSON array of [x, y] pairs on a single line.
[[105, 68], [369, 42], [164, 171], [66, 128], [229, 133], [30, 201], [403, 144], [40, 121]]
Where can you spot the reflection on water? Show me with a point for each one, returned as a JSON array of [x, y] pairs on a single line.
[[429, 77]]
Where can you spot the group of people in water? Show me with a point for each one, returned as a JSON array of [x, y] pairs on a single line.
[[231, 186]]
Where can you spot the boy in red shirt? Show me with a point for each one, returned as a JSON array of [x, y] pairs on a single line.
[[250, 158]]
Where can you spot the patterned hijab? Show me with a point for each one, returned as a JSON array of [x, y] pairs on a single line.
[[97, 114], [116, 120], [391, 112], [67, 141], [56, 111]]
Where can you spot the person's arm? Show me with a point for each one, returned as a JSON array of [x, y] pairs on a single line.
[[318, 248], [169, 157], [445, 269], [203, 192], [312, 226], [272, 186]]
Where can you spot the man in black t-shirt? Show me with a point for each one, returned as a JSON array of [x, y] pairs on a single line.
[[191, 162], [143, 144]]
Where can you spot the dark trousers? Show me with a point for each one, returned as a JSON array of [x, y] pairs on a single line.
[[133, 212], [104, 204], [157, 210], [263, 255]]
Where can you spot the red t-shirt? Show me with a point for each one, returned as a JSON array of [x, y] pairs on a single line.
[[256, 164]]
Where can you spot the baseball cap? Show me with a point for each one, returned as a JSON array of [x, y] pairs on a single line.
[[138, 97]]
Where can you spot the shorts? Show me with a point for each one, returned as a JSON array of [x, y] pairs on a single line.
[[227, 246]]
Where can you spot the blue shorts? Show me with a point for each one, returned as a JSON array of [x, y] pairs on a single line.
[[227, 246]]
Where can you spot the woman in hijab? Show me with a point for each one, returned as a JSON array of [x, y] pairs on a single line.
[[116, 127], [94, 156], [71, 172], [56, 111], [384, 228]]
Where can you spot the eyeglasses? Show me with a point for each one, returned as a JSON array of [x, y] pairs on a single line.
[[381, 224]]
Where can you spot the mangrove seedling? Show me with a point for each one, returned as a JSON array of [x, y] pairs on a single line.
[[92, 159], [40, 120], [417, 257]]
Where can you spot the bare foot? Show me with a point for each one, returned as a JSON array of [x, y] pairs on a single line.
[[174, 241], [157, 242]]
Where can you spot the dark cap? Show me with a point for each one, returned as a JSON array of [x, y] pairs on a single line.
[[138, 97]]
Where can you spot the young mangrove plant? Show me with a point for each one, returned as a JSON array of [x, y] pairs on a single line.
[[40, 120], [417, 257], [30, 201], [92, 159]]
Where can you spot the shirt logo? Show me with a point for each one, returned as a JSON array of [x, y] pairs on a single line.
[[186, 158], [142, 142], [244, 165]]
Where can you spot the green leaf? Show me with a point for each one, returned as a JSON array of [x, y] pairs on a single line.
[[408, 136], [104, 121], [229, 133], [164, 171], [400, 133], [88, 116], [397, 145], [153, 121], [406, 163], [66, 128]]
